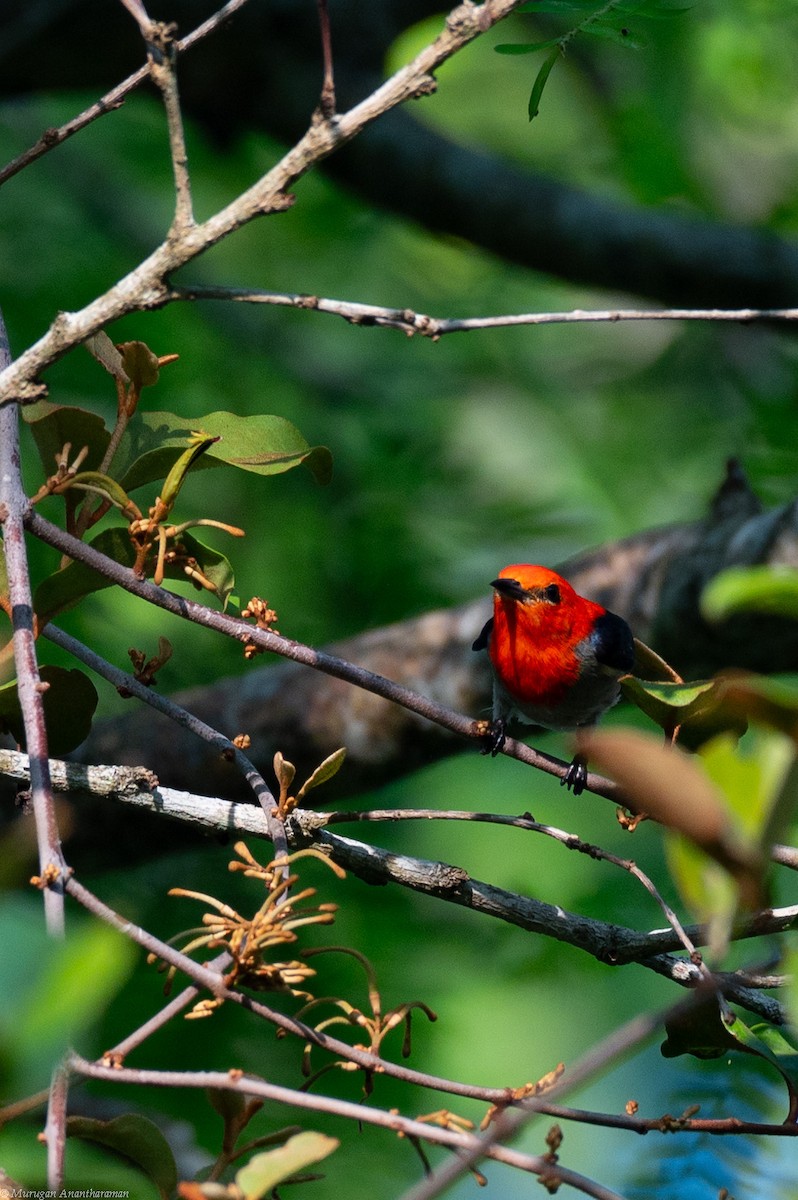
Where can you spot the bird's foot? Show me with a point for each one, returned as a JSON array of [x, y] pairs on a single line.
[[494, 737], [575, 778]]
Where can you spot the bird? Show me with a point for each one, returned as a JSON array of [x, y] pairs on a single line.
[[556, 657]]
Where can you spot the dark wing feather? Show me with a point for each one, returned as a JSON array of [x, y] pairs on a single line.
[[481, 642], [613, 644]]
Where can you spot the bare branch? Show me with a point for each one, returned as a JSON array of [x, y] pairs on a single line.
[[113, 99], [249, 1085], [407, 321], [318, 659], [327, 102], [55, 1127], [30, 688], [162, 59]]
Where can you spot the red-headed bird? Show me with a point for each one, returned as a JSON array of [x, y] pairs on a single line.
[[556, 657]]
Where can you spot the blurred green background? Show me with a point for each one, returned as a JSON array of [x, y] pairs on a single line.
[[451, 459]]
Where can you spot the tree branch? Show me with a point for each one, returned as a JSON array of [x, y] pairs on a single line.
[[409, 322], [30, 689], [611, 944], [249, 1085]]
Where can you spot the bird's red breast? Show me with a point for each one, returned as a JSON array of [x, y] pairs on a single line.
[[540, 627]]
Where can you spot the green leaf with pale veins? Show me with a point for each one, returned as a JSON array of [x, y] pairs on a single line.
[[265, 445]]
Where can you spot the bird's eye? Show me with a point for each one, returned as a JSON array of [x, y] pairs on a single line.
[[552, 593]]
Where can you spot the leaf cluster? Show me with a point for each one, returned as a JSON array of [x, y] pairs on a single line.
[[609, 21]]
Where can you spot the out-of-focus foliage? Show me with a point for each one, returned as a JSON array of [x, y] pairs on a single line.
[[451, 459]]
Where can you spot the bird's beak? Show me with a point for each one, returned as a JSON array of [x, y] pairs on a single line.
[[510, 588]]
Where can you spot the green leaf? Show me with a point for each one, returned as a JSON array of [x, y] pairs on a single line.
[[136, 1138], [771, 1044], [140, 364], [214, 566], [266, 445], [53, 425], [525, 47], [265, 1171], [540, 82], [702, 1032], [752, 589], [177, 475], [66, 587], [698, 707], [100, 346], [618, 34], [69, 704]]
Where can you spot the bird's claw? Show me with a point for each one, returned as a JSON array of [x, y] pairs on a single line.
[[495, 737], [575, 778]]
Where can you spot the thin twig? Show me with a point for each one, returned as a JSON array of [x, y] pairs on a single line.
[[407, 321], [30, 688], [241, 631], [248, 1085], [121, 679], [111, 100], [162, 56], [327, 101]]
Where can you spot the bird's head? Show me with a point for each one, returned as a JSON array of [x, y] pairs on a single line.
[[527, 584]]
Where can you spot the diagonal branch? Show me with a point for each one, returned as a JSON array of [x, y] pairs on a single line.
[[328, 664], [249, 1085], [121, 679], [113, 99]]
